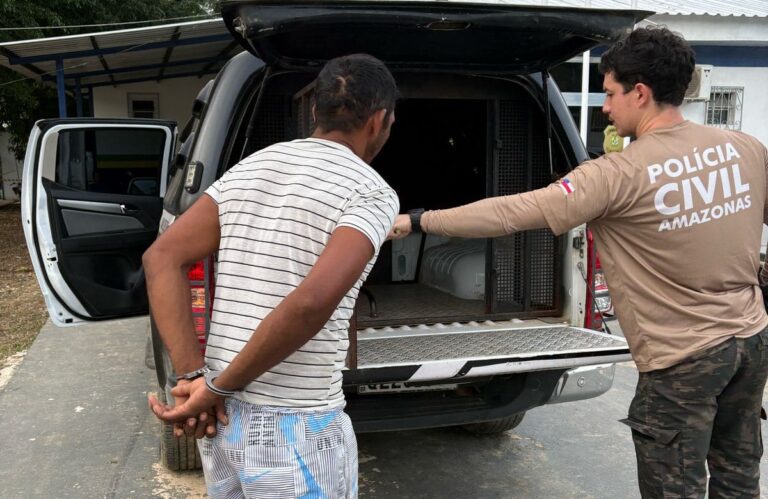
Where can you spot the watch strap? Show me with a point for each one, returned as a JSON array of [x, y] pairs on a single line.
[[415, 216]]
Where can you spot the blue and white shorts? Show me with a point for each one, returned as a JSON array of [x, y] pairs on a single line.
[[272, 452]]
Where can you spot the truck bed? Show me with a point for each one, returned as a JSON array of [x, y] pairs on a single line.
[[411, 302]]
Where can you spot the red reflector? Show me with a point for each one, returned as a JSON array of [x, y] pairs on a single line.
[[201, 294], [197, 271], [200, 326], [596, 282]]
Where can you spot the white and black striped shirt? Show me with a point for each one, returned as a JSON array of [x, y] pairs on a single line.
[[277, 210]]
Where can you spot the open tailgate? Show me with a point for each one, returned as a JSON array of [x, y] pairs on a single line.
[[454, 353], [477, 36]]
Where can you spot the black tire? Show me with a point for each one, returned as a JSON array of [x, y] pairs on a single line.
[[495, 426], [177, 454]]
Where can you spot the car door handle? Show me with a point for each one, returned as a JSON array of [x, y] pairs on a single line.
[[128, 209]]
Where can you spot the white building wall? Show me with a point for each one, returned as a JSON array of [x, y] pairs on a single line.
[[12, 169], [755, 99], [175, 98], [755, 104], [716, 30], [694, 111], [729, 30]]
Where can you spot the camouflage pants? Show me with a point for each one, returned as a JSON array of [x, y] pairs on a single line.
[[705, 410]]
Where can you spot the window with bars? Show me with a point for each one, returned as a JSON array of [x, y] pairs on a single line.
[[724, 107]]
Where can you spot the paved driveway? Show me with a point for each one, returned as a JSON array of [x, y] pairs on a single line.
[[76, 425]]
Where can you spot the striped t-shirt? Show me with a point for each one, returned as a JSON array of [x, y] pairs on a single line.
[[277, 210]]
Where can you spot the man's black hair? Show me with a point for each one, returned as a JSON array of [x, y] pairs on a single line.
[[656, 57], [351, 89]]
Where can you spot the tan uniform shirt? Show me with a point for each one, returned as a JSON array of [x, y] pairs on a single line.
[[677, 218]]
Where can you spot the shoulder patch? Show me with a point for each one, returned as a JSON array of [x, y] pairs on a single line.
[[566, 185]]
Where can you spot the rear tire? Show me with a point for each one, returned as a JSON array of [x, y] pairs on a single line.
[[178, 454], [495, 426]]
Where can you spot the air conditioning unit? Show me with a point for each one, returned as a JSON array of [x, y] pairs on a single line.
[[701, 83]]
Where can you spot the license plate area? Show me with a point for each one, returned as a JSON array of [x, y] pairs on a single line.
[[382, 388]]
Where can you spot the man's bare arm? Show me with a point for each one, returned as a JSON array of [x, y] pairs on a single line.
[[291, 324], [304, 311], [194, 236]]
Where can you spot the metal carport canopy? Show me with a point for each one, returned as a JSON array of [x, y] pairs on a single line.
[[90, 60]]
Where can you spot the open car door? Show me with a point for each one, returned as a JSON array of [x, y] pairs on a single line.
[[92, 194]]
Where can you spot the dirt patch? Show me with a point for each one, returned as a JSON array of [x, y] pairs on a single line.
[[8, 367], [22, 310], [189, 484]]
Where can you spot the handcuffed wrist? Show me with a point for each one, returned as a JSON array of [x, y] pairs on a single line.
[[210, 377], [192, 375]]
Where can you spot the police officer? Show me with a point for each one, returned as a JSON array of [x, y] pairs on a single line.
[[677, 216]]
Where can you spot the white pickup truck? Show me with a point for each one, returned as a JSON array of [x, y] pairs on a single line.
[[449, 332]]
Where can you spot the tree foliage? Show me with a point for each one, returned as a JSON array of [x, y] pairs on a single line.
[[23, 101]]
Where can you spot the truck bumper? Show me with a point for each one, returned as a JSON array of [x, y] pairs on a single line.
[[583, 383]]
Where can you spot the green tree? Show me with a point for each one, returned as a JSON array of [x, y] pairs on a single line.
[[23, 101]]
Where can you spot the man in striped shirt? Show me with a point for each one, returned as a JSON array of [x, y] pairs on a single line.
[[297, 227]]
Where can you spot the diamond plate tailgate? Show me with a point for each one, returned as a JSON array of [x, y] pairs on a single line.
[[469, 350]]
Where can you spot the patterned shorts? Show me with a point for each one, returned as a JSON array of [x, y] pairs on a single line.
[[270, 452]]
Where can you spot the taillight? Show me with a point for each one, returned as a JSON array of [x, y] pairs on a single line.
[[200, 277], [598, 298]]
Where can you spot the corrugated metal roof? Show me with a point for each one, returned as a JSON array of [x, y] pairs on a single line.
[[112, 57], [750, 8], [202, 47]]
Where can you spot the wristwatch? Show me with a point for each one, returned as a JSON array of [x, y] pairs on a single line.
[[195, 374], [415, 216]]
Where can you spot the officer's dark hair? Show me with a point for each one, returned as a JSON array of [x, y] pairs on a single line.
[[656, 57], [351, 89]]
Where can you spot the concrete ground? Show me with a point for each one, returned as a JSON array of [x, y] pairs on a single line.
[[77, 425]]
